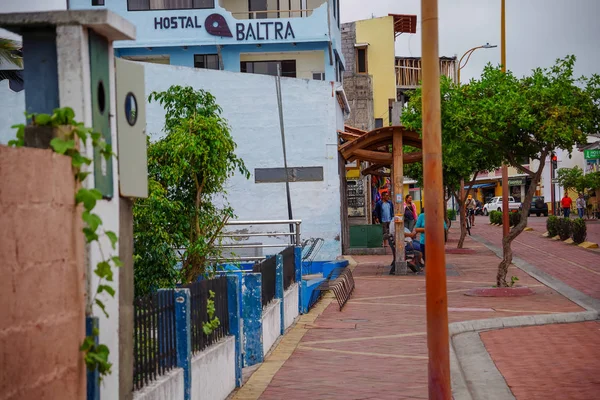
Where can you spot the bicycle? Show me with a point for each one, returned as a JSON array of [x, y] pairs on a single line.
[[470, 213]]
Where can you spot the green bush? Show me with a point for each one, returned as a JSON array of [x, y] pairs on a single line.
[[579, 231], [551, 225], [451, 214], [496, 217], [565, 228], [514, 218]]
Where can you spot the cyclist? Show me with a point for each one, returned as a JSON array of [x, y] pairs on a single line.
[[470, 205]]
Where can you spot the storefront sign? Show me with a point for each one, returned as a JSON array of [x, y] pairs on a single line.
[[591, 154], [516, 182], [216, 25]]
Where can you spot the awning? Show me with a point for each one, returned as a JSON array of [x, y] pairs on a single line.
[[481, 185]]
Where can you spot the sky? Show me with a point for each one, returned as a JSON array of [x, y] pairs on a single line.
[[537, 31]]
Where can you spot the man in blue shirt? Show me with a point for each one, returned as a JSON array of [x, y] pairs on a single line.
[[384, 211]]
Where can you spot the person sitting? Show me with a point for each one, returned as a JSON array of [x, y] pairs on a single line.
[[411, 248]]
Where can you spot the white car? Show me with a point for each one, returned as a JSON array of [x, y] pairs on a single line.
[[495, 204]]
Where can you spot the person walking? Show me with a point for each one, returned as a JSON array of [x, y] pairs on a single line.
[[580, 203], [410, 213], [384, 210], [565, 203]]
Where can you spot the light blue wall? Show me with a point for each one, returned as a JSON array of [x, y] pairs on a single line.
[[310, 33], [231, 54]]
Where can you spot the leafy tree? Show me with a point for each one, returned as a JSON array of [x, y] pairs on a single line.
[[176, 227], [574, 179], [462, 160], [9, 54], [528, 118]]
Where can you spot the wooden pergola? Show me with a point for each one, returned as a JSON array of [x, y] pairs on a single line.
[[374, 147]]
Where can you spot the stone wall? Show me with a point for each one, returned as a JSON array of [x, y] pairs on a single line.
[[358, 87], [42, 318]]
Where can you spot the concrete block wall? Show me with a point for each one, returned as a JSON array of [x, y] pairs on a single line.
[[169, 386], [42, 301], [213, 371], [271, 325], [290, 302]]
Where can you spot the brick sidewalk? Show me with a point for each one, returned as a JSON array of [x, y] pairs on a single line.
[[548, 362], [577, 267], [376, 347]]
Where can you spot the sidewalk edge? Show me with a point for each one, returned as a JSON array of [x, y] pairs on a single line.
[[467, 380]]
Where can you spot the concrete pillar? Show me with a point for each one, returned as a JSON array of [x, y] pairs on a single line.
[[252, 318], [183, 337], [279, 290], [234, 292]]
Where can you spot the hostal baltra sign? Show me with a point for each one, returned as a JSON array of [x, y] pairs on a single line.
[[216, 25]]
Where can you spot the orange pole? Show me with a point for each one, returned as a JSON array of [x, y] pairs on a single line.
[[437, 301], [505, 210]]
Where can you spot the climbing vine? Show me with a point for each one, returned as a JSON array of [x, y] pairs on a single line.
[[66, 143]]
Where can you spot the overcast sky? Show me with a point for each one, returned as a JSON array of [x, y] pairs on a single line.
[[537, 31]]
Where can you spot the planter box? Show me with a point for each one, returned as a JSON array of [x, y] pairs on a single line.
[[39, 137]]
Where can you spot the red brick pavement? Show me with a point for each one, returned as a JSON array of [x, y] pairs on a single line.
[[550, 361], [577, 267], [380, 352]]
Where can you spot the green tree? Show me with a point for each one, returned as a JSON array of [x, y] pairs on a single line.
[[177, 226], [462, 160], [571, 179], [528, 118]]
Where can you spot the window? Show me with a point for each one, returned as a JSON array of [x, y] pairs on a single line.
[[318, 76], [97, 2], [288, 67], [361, 60], [207, 61], [378, 123], [141, 5]]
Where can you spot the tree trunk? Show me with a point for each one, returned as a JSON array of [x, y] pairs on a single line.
[[517, 229]]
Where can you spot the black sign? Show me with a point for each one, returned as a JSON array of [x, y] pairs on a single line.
[[263, 31], [181, 22], [216, 25]]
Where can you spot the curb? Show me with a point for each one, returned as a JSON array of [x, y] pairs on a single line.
[[473, 372]]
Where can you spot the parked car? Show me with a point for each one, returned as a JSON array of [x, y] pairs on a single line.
[[495, 204], [538, 206]]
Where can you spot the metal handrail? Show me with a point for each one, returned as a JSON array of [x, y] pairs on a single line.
[[295, 235]]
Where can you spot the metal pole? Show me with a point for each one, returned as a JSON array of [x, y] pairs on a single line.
[[505, 210], [437, 301], [398, 185], [281, 126]]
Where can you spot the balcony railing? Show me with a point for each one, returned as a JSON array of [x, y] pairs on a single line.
[[408, 71], [273, 14]]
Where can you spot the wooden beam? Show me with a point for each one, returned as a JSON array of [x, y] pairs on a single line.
[[375, 157], [348, 135]]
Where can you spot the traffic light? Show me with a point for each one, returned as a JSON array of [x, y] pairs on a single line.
[[554, 161]]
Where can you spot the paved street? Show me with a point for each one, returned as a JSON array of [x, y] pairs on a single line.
[[577, 267], [376, 347]]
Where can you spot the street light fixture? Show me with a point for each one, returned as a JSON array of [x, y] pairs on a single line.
[[470, 52]]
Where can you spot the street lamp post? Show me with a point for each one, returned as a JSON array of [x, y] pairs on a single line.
[[470, 52], [505, 210]]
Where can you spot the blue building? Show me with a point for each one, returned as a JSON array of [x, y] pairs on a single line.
[[301, 37]]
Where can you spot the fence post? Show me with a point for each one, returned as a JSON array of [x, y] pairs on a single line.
[[93, 388], [183, 338], [235, 307], [279, 290], [252, 318], [298, 265]]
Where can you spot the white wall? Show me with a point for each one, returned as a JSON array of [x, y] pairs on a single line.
[[213, 371], [290, 304], [12, 107], [312, 117], [271, 325], [168, 386]]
